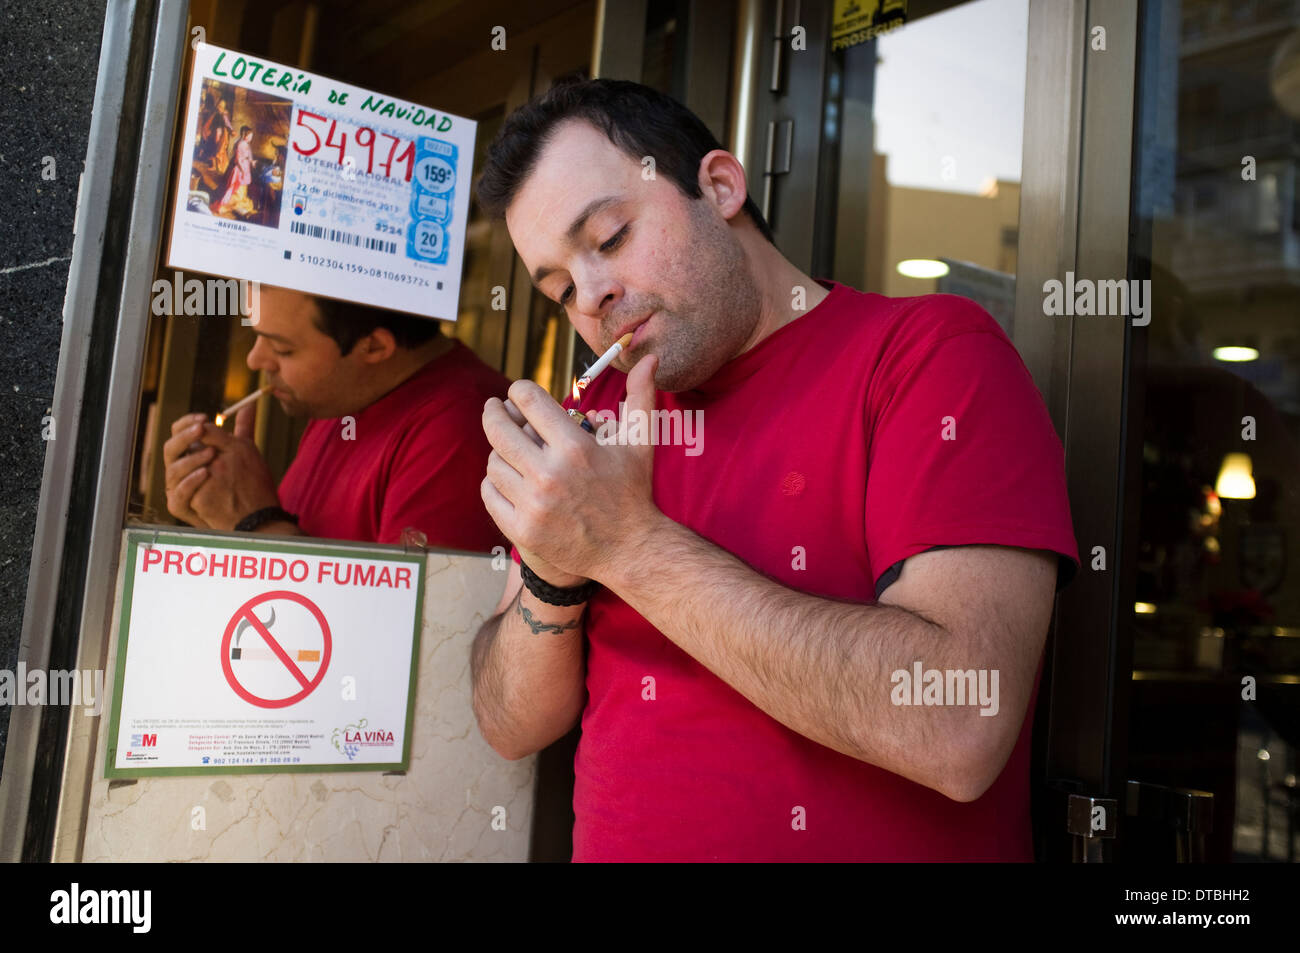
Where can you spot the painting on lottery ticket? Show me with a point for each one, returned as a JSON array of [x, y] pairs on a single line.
[[239, 152]]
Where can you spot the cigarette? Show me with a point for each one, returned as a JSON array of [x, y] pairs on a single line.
[[605, 360], [239, 404], [592, 372]]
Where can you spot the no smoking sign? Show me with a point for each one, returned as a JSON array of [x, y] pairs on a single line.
[[285, 618], [276, 649]]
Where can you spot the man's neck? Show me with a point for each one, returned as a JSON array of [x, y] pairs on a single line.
[[414, 361], [421, 356], [433, 349], [785, 292]]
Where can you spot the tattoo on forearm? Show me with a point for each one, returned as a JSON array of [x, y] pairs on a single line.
[[538, 626]]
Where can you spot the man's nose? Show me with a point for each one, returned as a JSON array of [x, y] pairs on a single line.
[[595, 293], [256, 359]]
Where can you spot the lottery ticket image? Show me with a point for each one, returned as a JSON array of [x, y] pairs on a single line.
[[239, 154], [303, 182]]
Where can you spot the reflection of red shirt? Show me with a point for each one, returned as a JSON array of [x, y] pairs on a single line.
[[823, 466], [418, 460]]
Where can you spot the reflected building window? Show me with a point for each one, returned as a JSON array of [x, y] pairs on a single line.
[[1216, 624]]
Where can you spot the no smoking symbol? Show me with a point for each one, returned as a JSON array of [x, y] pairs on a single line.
[[249, 641]]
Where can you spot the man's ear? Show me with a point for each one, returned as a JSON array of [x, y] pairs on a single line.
[[722, 180], [377, 346]]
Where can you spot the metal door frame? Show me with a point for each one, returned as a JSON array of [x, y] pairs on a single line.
[[70, 589], [1086, 367]]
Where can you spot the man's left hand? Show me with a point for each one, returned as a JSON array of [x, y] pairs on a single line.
[[239, 481], [575, 502]]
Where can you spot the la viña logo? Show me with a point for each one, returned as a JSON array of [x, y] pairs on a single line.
[[350, 739]]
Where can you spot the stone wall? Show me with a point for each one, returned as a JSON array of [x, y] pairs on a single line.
[[49, 59]]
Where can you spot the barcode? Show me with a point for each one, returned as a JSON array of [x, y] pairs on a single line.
[[346, 238]]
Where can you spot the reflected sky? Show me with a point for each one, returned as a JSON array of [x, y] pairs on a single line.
[[953, 84]]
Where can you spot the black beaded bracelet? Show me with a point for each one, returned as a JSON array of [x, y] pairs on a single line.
[[268, 514], [556, 595]]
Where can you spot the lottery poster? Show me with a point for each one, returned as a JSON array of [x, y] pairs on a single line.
[[296, 180]]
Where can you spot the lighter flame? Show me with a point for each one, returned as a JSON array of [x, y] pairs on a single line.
[[221, 419], [577, 391]]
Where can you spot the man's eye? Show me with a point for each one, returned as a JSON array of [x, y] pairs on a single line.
[[281, 353], [610, 245], [615, 241]]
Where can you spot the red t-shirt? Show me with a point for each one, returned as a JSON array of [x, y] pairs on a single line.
[[825, 436], [417, 460]]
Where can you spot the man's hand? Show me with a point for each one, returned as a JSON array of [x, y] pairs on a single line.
[[568, 503], [184, 471], [534, 562], [235, 482]]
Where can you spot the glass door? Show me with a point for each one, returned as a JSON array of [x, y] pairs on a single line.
[[1215, 623]]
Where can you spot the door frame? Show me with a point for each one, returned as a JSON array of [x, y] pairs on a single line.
[[82, 509], [1096, 403]]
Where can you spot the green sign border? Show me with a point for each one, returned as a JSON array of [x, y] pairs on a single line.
[[134, 539]]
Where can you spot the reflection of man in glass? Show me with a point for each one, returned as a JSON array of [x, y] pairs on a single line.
[[395, 441], [234, 191]]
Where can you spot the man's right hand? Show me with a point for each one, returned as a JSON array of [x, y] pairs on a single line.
[[539, 566], [184, 471]]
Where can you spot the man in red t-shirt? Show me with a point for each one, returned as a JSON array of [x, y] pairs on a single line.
[[394, 453], [815, 589]]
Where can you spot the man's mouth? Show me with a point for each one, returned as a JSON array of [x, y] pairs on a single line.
[[638, 327]]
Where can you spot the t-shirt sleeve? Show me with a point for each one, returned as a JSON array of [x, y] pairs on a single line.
[[434, 482], [963, 452]]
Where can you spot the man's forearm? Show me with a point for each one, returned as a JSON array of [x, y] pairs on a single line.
[[528, 674], [819, 666]]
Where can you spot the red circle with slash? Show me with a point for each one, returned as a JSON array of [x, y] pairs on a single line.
[[246, 612]]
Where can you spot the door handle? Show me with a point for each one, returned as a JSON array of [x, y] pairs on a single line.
[[1091, 821], [1186, 811], [776, 159]]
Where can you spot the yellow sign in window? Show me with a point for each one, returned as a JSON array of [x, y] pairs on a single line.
[[856, 21]]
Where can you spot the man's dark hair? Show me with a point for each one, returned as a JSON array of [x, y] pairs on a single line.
[[638, 119], [244, 130], [348, 322]]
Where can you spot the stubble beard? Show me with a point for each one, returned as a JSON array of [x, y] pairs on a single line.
[[725, 308]]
